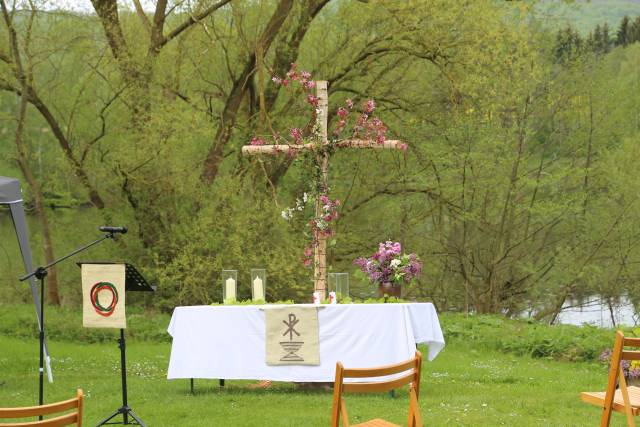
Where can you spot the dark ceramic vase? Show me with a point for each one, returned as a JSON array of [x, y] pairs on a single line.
[[389, 289]]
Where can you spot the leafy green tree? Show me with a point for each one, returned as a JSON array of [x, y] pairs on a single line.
[[517, 189], [623, 36], [635, 31]]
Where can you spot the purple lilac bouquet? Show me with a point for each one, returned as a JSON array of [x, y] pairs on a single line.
[[631, 369], [389, 264]]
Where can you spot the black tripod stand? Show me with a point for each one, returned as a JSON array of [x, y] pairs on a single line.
[[40, 273], [125, 410]]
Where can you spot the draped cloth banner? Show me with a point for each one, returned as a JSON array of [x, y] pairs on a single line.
[[291, 336], [103, 296]]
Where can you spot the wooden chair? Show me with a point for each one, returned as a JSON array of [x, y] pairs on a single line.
[[411, 370], [71, 418], [626, 399]]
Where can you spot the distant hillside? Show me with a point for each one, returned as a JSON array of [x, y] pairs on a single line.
[[585, 15]]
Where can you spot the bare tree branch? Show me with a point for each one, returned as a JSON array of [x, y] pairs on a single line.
[[143, 16], [191, 21]]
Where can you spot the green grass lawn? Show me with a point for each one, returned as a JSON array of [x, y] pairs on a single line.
[[463, 387]]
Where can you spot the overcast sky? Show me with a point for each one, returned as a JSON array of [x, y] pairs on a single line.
[[85, 5]]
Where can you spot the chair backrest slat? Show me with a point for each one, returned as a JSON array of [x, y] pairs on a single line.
[[372, 387], [60, 421], [34, 411], [381, 371], [630, 355], [632, 342], [74, 417]]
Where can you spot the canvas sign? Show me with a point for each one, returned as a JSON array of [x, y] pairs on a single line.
[[103, 296], [291, 336]]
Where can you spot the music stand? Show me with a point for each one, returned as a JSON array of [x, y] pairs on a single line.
[[134, 282]]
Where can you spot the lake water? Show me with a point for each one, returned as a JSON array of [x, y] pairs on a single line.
[[596, 312]]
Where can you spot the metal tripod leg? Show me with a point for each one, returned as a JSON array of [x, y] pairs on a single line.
[[105, 421], [135, 417], [126, 412]]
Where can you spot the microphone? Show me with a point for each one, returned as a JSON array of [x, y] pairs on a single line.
[[112, 230]]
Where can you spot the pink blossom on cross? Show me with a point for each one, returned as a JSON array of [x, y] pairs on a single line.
[[369, 106], [257, 141], [292, 73], [313, 100], [296, 134]]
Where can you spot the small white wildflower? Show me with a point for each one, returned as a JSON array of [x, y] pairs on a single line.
[[395, 263], [305, 197], [284, 215]]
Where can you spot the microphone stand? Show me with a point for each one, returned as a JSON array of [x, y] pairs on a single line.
[[40, 273]]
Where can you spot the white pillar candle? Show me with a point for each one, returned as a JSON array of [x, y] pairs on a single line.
[[258, 289], [230, 289]]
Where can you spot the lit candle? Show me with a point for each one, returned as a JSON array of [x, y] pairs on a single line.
[[258, 289], [230, 289]]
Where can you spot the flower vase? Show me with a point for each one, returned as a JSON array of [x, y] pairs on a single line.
[[631, 381], [390, 289]]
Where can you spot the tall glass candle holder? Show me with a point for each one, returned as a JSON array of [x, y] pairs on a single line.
[[258, 284], [339, 283], [229, 286]]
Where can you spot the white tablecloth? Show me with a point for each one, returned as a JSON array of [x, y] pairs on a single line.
[[227, 342]]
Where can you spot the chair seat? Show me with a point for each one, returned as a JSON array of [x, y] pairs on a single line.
[[375, 423], [597, 398]]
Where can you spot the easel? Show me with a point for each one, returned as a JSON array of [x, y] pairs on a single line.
[[134, 282]]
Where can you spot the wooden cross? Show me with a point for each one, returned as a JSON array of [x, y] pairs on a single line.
[[320, 249]]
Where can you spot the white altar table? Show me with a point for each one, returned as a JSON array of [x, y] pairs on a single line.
[[228, 342]]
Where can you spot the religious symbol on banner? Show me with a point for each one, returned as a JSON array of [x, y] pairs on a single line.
[[292, 322], [291, 336], [322, 149], [95, 298], [103, 296], [291, 347]]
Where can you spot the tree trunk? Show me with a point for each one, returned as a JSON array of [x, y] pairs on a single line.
[[23, 157], [211, 165], [38, 198]]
